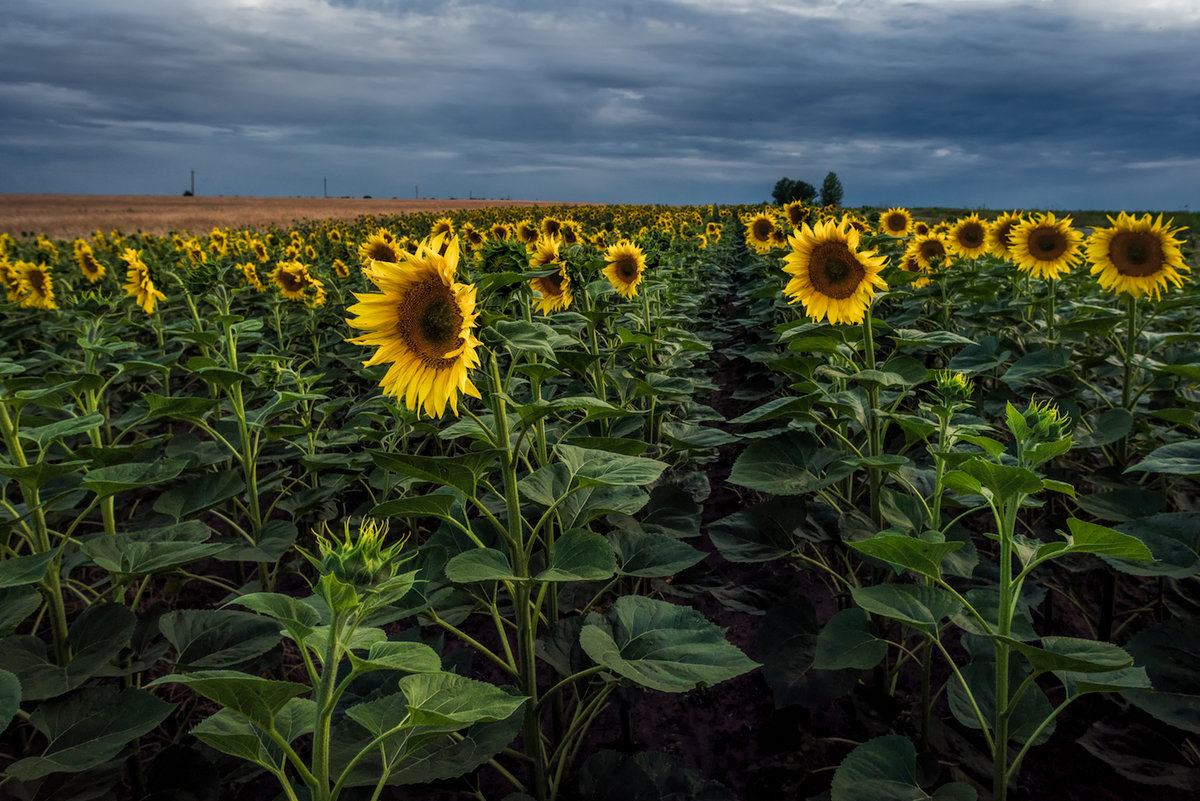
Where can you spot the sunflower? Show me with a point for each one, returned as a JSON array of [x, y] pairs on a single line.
[[920, 227], [294, 280], [251, 275], [545, 253], [475, 238], [569, 231], [895, 222], [928, 249], [713, 232], [422, 322], [968, 237], [340, 269], [93, 270], [334, 235], [551, 226], [500, 232], [260, 250], [626, 264], [796, 213], [758, 232], [35, 285], [555, 290], [8, 278], [778, 237], [998, 231], [830, 275], [442, 225], [138, 284], [1137, 255], [527, 232], [1044, 246], [379, 248]]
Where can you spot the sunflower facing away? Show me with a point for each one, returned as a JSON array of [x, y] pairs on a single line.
[[138, 284], [895, 222], [422, 322], [1137, 255], [1044, 246], [626, 264], [968, 237], [830, 275]]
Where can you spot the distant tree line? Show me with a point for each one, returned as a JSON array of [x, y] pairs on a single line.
[[786, 191]]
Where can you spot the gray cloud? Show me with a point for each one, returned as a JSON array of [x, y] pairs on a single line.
[[968, 102]]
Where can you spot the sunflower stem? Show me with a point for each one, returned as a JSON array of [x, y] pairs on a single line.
[[1050, 320], [874, 475], [1127, 396]]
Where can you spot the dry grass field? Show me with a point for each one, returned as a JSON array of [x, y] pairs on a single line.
[[70, 216]]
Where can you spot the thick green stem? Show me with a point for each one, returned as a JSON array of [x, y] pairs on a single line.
[[325, 703], [1003, 628], [874, 446]]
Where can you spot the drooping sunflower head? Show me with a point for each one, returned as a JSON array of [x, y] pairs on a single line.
[[250, 273], [998, 232], [473, 237], [379, 248], [831, 275], [1044, 246], [778, 237], [554, 290], [1137, 255], [138, 283], [422, 323], [968, 237], [92, 268], [895, 222], [626, 265], [758, 231]]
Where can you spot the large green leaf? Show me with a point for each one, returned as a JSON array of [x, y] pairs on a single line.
[[481, 564], [651, 554], [88, 728], [661, 645], [760, 533], [18, 571], [1037, 365], [1003, 481], [600, 468], [460, 472], [412, 657], [257, 698], [60, 429], [141, 553], [297, 617], [846, 641], [233, 734], [792, 463], [1180, 458], [885, 769], [131, 475], [447, 699], [909, 553], [10, 698], [1100, 540], [580, 555], [431, 505], [1173, 538], [917, 605], [95, 638], [217, 638], [198, 493], [1072, 654]]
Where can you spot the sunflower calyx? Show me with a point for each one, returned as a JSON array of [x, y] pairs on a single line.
[[1040, 432], [359, 572]]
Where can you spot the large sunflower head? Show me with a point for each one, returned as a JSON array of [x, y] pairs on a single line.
[[422, 323], [968, 237], [895, 222], [1137, 255], [554, 290], [1044, 246], [626, 264], [379, 248], [758, 231], [998, 231], [831, 276]]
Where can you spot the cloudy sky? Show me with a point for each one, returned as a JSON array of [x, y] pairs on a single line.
[[1062, 104]]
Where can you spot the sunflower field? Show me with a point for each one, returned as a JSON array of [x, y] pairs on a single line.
[[603, 502]]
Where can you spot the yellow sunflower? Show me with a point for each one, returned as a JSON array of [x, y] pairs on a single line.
[[138, 284], [758, 232], [1137, 255], [340, 269], [1044, 246], [93, 270], [968, 237], [895, 222], [554, 289], [920, 227], [928, 249], [830, 275], [626, 264], [8, 277], [250, 273], [527, 232], [260, 250], [474, 237], [568, 230], [551, 226], [35, 286], [545, 252], [422, 323], [442, 225], [500, 232], [998, 231], [294, 280], [796, 213], [713, 232], [379, 247]]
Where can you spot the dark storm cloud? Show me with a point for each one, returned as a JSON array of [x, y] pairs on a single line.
[[965, 102]]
